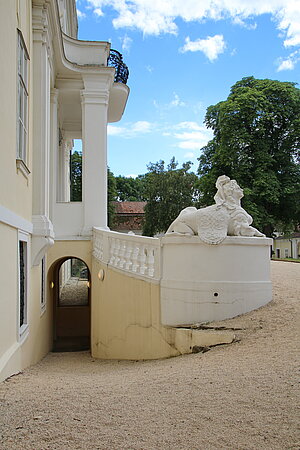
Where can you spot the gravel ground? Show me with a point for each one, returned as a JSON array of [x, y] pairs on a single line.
[[239, 396]]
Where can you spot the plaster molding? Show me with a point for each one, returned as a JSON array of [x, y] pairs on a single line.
[[12, 219], [94, 97], [54, 95], [42, 238]]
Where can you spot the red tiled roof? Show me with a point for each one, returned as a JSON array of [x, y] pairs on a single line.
[[129, 207]]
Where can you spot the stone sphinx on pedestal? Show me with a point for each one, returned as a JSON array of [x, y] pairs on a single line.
[[213, 223], [202, 282]]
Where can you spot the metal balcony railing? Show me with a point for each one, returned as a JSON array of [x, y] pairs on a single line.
[[115, 60]]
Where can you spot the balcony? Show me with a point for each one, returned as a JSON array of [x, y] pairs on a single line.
[[115, 60]]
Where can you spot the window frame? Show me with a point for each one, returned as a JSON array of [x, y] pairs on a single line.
[[23, 327], [43, 285], [22, 103]]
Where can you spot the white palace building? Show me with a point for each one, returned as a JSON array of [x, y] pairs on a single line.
[[66, 281]]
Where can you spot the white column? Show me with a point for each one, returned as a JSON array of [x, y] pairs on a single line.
[[43, 234], [94, 142], [41, 112], [54, 147]]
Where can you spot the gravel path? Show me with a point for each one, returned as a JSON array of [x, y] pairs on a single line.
[[239, 396]]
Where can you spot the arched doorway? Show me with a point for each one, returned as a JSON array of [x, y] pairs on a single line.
[[71, 306]]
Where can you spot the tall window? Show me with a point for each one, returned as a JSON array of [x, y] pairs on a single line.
[[22, 122], [23, 281]]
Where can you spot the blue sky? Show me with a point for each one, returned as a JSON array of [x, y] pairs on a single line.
[[184, 55]]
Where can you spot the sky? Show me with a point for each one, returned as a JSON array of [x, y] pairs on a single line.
[[183, 56]]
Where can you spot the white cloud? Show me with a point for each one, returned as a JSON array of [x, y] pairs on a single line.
[[242, 23], [192, 136], [80, 14], [142, 126], [189, 155], [290, 62], [189, 136], [126, 43], [175, 102], [131, 130], [188, 126], [288, 18], [286, 64], [156, 17], [98, 12], [212, 46]]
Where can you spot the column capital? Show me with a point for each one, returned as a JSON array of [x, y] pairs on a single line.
[[101, 81], [94, 97]]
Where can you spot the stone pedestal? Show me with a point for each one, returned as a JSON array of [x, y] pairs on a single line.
[[203, 283]]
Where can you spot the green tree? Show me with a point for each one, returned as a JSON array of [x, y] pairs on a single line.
[[76, 177], [256, 141], [111, 197], [168, 191], [130, 189]]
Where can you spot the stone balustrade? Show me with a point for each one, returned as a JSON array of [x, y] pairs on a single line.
[[137, 255]]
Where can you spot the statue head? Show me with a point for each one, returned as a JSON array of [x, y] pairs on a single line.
[[229, 192]]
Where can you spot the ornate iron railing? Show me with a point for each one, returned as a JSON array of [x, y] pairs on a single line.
[[115, 60]]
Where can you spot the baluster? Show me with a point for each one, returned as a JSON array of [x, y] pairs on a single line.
[[117, 253], [128, 257], [112, 251], [135, 259], [122, 254], [150, 261], [142, 258]]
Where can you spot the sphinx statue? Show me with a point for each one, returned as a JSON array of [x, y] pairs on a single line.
[[213, 223]]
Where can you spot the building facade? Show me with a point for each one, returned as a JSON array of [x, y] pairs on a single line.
[[287, 246], [129, 216], [55, 90], [67, 282]]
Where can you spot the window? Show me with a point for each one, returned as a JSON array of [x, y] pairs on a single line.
[[286, 252], [43, 285], [23, 281], [22, 118]]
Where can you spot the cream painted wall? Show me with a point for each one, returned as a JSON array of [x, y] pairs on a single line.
[[16, 354], [8, 283], [126, 318], [15, 188], [283, 244], [77, 249]]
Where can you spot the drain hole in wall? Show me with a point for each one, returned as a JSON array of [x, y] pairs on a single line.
[[216, 294]]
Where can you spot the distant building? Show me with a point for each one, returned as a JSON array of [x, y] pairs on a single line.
[[287, 246], [129, 216]]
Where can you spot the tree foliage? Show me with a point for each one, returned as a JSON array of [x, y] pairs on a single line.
[[111, 197], [130, 189], [256, 141], [167, 191], [76, 177]]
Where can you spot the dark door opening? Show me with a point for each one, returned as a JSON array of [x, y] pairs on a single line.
[[72, 306]]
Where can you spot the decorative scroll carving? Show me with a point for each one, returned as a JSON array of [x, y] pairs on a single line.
[[214, 223]]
